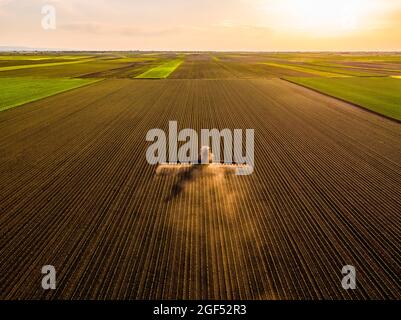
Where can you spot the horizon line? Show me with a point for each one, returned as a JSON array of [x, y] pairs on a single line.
[[27, 49]]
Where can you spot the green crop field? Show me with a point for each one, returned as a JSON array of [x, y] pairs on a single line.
[[18, 91], [41, 57], [40, 65], [312, 71], [382, 95], [58, 67], [344, 70], [161, 71]]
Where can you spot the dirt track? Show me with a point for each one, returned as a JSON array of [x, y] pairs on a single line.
[[77, 193]]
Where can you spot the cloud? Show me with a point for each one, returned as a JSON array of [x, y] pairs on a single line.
[[5, 2], [95, 28], [3, 6], [199, 25]]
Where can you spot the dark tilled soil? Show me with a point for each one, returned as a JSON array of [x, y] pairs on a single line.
[[77, 193]]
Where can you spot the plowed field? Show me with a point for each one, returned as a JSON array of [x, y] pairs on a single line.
[[77, 193]]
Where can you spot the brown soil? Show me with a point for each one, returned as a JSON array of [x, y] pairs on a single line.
[[77, 193]]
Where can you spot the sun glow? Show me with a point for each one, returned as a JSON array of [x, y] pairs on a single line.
[[321, 17]]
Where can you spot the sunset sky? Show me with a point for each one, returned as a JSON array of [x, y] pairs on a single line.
[[265, 25]]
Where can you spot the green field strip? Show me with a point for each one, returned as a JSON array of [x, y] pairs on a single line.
[[371, 68], [342, 69], [162, 71], [70, 71], [370, 58], [42, 58], [128, 59], [18, 91], [381, 95], [41, 65], [307, 70]]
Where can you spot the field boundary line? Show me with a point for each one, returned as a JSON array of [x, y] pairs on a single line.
[[342, 100]]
